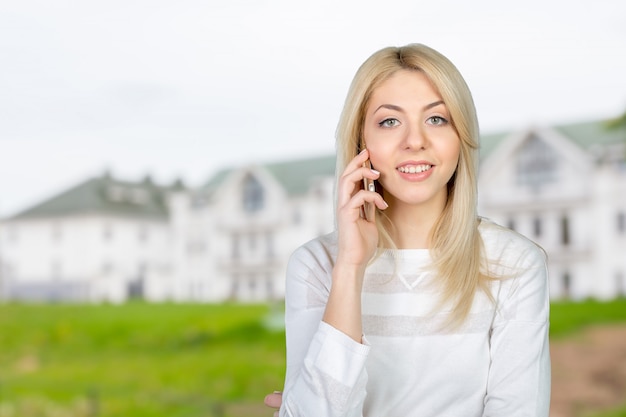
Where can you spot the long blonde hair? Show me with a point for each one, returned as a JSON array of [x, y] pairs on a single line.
[[456, 247]]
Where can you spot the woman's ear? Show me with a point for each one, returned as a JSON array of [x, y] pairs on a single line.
[[360, 145]]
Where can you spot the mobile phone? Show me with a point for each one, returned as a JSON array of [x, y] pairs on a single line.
[[367, 183], [367, 210]]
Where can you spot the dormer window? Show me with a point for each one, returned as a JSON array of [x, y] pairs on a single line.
[[253, 194], [116, 193], [138, 196], [536, 163], [133, 195]]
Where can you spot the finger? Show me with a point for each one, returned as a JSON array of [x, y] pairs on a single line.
[[368, 211], [371, 201], [356, 163], [273, 400], [358, 160], [350, 182]]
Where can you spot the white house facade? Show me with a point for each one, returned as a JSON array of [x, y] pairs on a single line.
[[236, 232], [111, 240], [107, 240], [95, 242], [565, 188]]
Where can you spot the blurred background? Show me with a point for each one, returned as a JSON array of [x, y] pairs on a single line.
[[160, 160]]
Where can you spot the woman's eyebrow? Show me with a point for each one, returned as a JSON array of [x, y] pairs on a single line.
[[433, 104], [390, 107], [400, 109]]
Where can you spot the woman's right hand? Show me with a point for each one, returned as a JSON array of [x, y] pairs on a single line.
[[357, 241], [358, 236]]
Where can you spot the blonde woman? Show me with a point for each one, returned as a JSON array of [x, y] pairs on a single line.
[[415, 306]]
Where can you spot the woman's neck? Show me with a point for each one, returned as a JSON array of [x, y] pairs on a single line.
[[413, 223]]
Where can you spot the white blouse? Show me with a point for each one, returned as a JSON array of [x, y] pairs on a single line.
[[496, 364]]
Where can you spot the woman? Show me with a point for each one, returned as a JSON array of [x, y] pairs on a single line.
[[419, 307]]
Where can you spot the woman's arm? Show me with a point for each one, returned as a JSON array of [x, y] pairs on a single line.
[[325, 367], [325, 354], [519, 375]]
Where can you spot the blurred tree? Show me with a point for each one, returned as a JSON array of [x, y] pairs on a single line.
[[617, 123]]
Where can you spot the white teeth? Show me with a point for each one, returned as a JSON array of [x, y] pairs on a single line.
[[413, 169]]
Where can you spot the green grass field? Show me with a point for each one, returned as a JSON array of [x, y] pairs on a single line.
[[156, 360], [135, 360]]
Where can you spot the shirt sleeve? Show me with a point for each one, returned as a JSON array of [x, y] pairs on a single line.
[[326, 374], [519, 374]]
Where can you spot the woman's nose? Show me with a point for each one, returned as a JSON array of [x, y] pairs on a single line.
[[415, 138]]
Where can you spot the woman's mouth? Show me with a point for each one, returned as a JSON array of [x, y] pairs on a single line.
[[414, 169]]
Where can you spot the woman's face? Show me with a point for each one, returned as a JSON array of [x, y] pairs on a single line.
[[411, 140]]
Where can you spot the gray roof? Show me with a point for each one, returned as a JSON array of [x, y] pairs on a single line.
[[294, 175], [594, 133], [584, 134], [488, 142], [105, 195]]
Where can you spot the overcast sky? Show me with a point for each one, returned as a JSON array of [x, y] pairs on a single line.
[[184, 88]]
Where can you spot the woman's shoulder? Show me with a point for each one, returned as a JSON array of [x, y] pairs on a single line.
[[502, 243], [310, 268], [321, 250]]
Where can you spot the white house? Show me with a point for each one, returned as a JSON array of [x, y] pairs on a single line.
[[108, 240], [248, 220], [96, 241], [565, 188]]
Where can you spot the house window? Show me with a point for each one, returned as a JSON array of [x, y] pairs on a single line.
[[253, 194], [236, 252], [565, 235], [620, 284], [252, 241], [269, 238], [115, 193], [566, 282], [121, 194], [234, 286], [139, 196], [537, 226], [621, 222], [135, 288], [536, 163], [269, 287], [511, 223]]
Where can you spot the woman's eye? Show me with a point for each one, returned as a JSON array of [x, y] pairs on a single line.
[[437, 121], [389, 123]]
